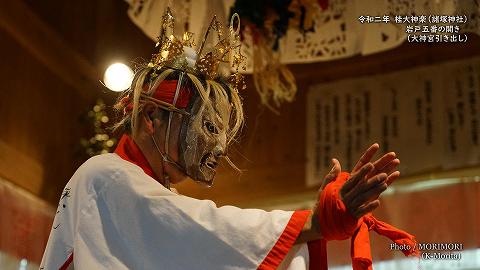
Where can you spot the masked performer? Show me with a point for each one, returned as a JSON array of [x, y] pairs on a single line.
[[118, 211]]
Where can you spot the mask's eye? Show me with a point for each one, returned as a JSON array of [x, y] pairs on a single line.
[[210, 127]]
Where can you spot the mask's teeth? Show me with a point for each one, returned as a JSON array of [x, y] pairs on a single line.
[[212, 164]]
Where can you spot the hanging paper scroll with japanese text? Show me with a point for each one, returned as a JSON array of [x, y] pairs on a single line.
[[428, 115]]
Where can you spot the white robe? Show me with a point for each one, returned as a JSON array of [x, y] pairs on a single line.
[[112, 215]]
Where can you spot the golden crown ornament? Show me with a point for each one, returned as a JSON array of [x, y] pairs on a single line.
[[180, 53]]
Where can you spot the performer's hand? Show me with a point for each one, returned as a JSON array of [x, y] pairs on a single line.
[[388, 163], [360, 193], [368, 180], [332, 175], [311, 230]]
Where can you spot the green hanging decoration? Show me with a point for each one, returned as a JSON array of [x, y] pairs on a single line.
[[100, 142]]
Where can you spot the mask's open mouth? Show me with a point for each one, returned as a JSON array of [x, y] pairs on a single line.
[[209, 161], [208, 165]]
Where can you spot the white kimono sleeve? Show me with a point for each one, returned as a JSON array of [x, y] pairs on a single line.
[[135, 223]]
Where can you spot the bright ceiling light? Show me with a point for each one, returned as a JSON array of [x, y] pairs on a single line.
[[118, 77]]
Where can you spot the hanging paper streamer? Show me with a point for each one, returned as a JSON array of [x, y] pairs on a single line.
[[276, 33]]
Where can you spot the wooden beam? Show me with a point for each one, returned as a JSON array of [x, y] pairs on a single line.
[[43, 43], [407, 55], [20, 169]]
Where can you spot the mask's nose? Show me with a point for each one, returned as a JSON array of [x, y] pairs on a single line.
[[218, 152], [221, 147]]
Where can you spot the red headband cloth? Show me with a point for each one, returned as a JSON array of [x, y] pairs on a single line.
[[336, 223], [164, 92]]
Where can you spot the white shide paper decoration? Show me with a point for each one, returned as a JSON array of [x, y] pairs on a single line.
[[339, 34]]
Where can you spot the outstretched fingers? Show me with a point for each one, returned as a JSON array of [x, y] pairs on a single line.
[[391, 167], [363, 197], [354, 180], [370, 191], [387, 161], [365, 209], [366, 157], [392, 177], [368, 181]]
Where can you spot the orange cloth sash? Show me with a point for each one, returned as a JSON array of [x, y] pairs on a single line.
[[336, 223]]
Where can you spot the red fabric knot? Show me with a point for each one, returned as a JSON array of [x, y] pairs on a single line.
[[336, 223], [164, 92]]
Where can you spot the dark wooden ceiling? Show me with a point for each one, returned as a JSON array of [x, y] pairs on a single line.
[[53, 56]]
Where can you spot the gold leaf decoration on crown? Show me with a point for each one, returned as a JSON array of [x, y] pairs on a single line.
[[227, 50]]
